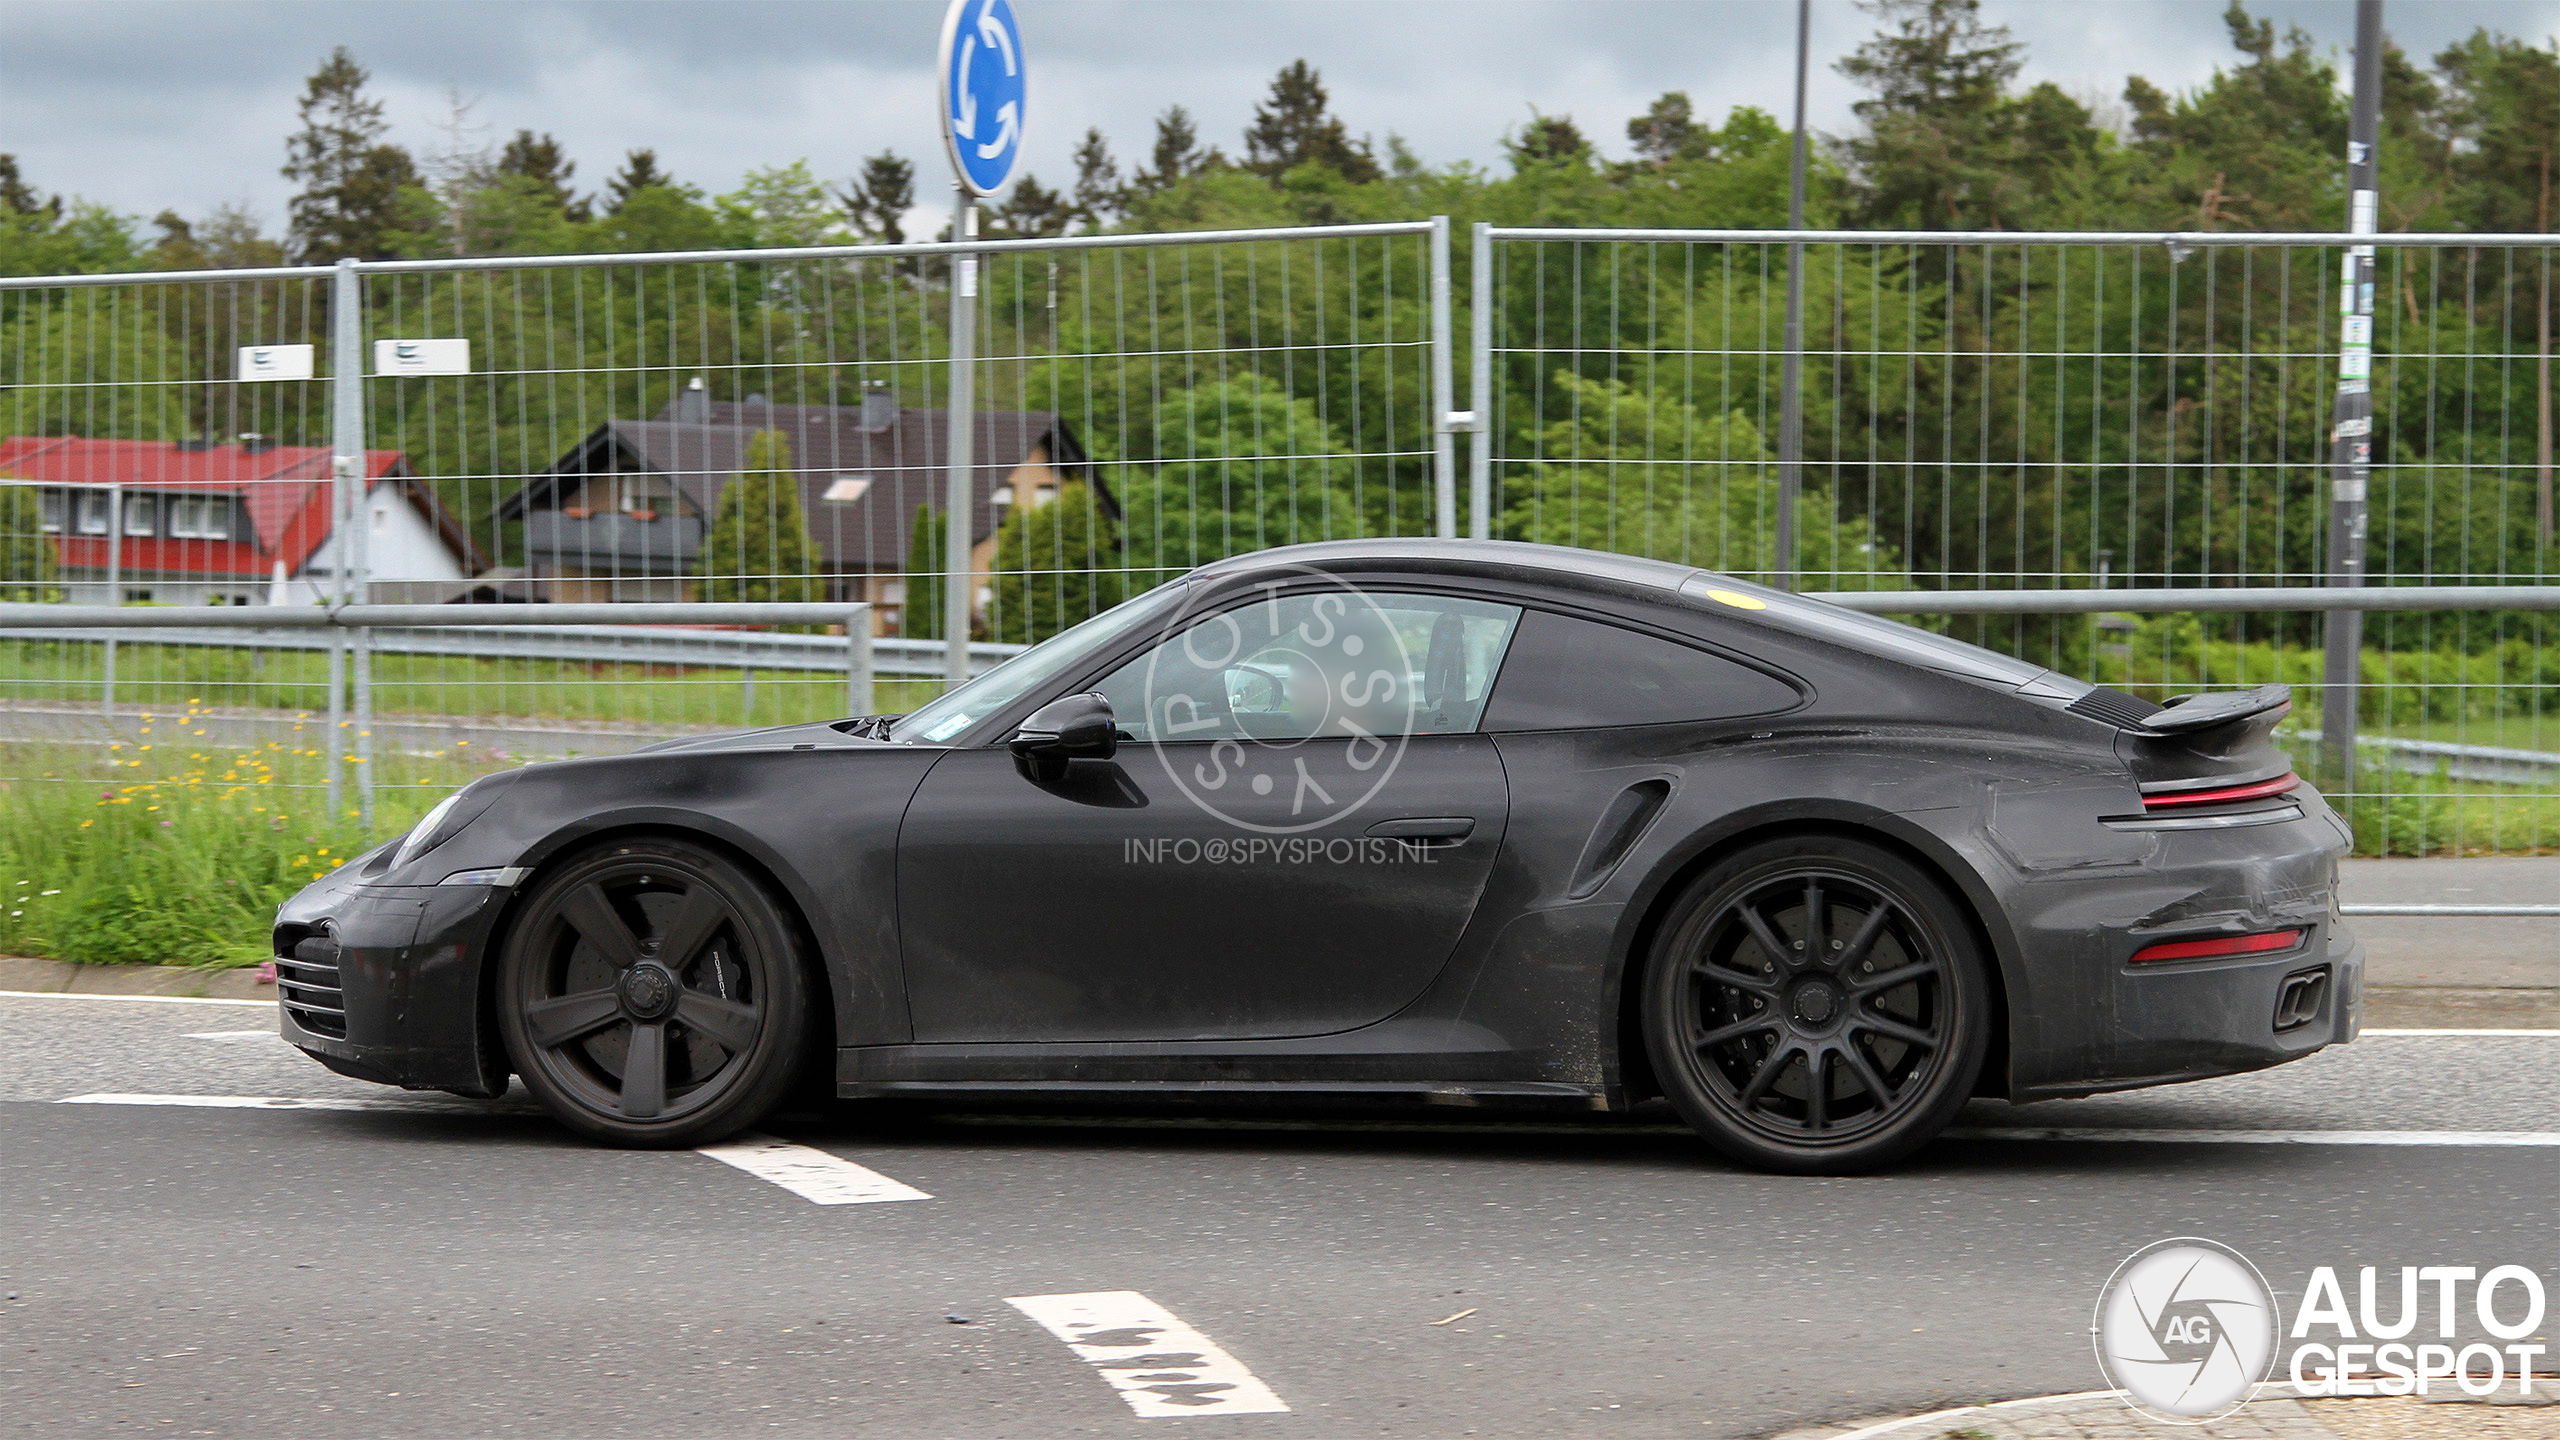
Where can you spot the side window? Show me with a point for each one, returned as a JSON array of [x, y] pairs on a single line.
[[1333, 664], [1567, 674]]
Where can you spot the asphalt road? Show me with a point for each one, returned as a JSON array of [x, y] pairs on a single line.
[[436, 1268]]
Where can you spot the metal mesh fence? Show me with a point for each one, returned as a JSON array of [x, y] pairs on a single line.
[[1980, 412], [2073, 412]]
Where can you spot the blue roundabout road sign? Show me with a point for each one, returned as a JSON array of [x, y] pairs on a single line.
[[983, 88]]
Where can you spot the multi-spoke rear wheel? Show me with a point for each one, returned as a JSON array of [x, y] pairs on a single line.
[[652, 993], [1817, 1005]]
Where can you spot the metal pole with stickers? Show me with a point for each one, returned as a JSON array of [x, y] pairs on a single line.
[[2351, 441]]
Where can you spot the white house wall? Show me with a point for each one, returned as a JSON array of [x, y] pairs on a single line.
[[402, 546]]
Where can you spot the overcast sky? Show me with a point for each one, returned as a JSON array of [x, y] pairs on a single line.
[[145, 104]]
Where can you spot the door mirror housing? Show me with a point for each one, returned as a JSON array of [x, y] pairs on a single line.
[[1078, 727]]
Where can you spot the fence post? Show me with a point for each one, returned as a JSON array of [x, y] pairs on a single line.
[[857, 661], [115, 592], [1480, 386], [958, 508], [1444, 391], [346, 472]]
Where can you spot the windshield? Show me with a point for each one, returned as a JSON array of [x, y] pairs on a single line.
[[957, 710]]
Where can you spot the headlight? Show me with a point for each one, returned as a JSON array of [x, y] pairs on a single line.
[[425, 837]]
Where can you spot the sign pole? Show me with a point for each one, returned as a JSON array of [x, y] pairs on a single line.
[[2351, 441], [1791, 380], [985, 95], [958, 505]]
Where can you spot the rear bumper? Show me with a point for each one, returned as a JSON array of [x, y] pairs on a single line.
[[2192, 1022], [409, 1010]]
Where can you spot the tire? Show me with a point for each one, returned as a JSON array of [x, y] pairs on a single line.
[[1829, 1065], [586, 988]]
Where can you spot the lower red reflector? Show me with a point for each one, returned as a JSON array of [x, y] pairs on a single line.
[[2219, 945]]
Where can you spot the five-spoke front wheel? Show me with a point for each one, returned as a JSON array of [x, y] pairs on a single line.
[[652, 993], [1817, 1005]]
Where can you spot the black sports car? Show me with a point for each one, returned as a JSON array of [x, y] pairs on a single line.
[[1460, 822]]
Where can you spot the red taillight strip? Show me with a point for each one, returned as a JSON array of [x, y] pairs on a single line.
[[2219, 945], [2258, 791]]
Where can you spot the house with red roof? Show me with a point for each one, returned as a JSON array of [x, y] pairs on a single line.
[[189, 522]]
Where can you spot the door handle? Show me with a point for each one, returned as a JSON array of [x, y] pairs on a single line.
[[1446, 829]]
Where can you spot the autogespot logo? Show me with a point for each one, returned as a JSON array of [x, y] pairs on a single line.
[[2186, 1329], [1306, 700]]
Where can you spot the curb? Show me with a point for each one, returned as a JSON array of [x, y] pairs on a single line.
[[57, 977]]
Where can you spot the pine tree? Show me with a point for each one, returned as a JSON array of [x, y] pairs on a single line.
[[1550, 140], [351, 202], [1052, 565], [920, 618], [1935, 152], [759, 547], [639, 172], [1295, 128], [881, 197], [1664, 132], [1031, 211], [18, 198], [1177, 155], [538, 159], [1099, 194]]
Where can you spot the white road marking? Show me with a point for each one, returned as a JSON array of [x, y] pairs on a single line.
[[145, 999], [455, 1106], [2534, 1034], [233, 1037], [812, 1174], [1158, 1364], [2541, 1138]]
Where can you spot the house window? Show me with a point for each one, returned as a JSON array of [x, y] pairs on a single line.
[[200, 517], [93, 512], [50, 505], [643, 496], [141, 514]]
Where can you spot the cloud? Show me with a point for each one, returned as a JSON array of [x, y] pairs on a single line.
[[185, 105]]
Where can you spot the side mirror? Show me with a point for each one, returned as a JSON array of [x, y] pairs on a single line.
[[1078, 727]]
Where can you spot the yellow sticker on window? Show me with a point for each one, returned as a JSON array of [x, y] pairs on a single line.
[[1737, 600]]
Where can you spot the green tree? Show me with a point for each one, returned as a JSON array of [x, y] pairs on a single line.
[[656, 217], [1638, 471], [1055, 564], [920, 618], [1295, 127], [779, 206], [1099, 194], [1030, 211], [27, 566], [1241, 465], [352, 201], [881, 197], [1177, 156], [759, 547], [538, 159], [639, 172]]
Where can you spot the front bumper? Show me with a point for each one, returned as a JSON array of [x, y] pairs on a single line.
[[383, 982]]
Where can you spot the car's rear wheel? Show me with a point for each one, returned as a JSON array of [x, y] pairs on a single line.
[[654, 993], [1817, 1005]]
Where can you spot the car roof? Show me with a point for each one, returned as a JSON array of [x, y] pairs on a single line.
[[1591, 568]]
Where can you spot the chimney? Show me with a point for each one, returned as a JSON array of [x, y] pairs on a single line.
[[879, 407], [693, 407], [253, 443]]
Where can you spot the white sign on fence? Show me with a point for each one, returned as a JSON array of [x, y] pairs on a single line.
[[421, 357], [275, 362]]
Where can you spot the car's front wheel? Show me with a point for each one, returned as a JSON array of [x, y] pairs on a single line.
[[1817, 1005], [653, 993]]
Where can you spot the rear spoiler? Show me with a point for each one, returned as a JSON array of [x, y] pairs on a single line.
[[2196, 714]]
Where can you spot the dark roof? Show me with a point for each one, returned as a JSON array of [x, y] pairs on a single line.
[[905, 461]]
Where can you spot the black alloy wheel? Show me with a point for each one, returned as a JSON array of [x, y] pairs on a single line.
[[1817, 1005], [652, 993]]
